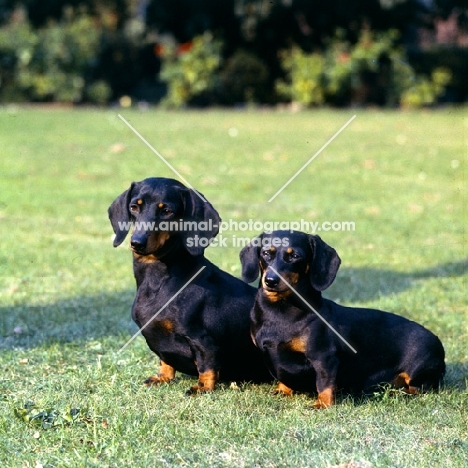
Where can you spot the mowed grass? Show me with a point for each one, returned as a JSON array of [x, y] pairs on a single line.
[[68, 397]]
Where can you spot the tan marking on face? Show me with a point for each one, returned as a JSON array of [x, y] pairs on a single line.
[[145, 258], [140, 202], [298, 344], [289, 250], [160, 205], [162, 238], [157, 240], [292, 278], [274, 296], [272, 249], [282, 389]]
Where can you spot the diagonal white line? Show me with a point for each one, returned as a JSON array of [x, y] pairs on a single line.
[[312, 158], [329, 325], [161, 309], [170, 166]]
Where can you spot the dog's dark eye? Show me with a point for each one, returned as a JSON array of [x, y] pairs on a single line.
[[292, 256], [134, 208], [266, 254], [166, 212]]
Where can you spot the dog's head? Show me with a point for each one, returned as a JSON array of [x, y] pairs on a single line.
[[161, 213], [288, 260]]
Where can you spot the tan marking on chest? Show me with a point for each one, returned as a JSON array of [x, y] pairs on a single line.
[[166, 325]]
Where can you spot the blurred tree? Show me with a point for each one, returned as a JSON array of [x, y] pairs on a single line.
[[243, 79], [132, 30], [445, 7], [185, 19], [41, 11], [49, 63]]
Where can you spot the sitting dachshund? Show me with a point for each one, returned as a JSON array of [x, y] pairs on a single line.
[[315, 345], [193, 315]]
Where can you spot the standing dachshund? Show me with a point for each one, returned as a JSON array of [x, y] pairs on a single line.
[[203, 329], [313, 344]]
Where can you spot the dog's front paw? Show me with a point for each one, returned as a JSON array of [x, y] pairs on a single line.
[[325, 399], [156, 380], [318, 404], [196, 389], [206, 383], [282, 389], [165, 375]]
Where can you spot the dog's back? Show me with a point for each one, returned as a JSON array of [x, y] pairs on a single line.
[[386, 345]]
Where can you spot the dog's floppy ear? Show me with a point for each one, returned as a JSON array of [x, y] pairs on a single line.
[[119, 215], [206, 218], [324, 265], [249, 260]]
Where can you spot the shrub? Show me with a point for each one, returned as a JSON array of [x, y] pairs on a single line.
[[99, 92], [17, 44], [50, 63], [374, 70], [425, 91], [190, 69], [305, 73], [243, 79]]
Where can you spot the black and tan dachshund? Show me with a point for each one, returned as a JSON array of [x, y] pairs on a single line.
[[312, 344], [203, 330]]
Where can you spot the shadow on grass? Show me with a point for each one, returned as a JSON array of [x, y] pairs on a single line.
[[64, 321], [367, 284], [456, 376]]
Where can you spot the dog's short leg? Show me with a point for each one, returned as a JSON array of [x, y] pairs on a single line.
[[325, 399], [166, 374], [326, 382], [282, 389], [206, 382], [403, 381], [206, 355]]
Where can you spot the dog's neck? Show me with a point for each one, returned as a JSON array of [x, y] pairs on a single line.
[[311, 296], [176, 261]]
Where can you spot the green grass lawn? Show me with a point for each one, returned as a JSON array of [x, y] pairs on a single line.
[[69, 398]]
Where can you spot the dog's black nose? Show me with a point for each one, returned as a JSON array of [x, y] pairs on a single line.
[[138, 243], [271, 281]]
